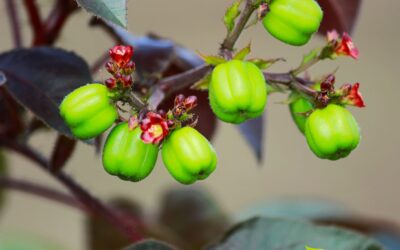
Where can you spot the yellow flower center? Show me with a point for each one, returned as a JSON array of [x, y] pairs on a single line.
[[156, 130]]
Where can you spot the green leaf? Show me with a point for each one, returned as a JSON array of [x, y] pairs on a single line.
[[241, 54], [231, 14], [212, 60], [203, 83], [273, 234], [265, 63], [114, 11], [150, 245], [311, 55]]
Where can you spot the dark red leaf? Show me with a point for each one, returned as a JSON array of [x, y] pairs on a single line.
[[340, 15], [62, 151]]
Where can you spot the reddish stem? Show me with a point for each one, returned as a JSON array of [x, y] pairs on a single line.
[[14, 22], [129, 228], [35, 21], [42, 191]]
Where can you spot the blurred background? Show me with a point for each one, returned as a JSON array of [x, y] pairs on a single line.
[[367, 182]]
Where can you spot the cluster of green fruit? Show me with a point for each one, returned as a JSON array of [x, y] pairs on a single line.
[[186, 153]]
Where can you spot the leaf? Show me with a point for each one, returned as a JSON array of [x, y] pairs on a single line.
[[150, 245], [114, 11], [253, 131], [212, 60], [276, 234], [241, 54], [62, 151], [339, 14], [102, 236], [39, 78], [263, 64], [203, 83], [231, 14], [194, 215]]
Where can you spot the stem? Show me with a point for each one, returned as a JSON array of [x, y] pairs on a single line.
[[177, 82], [232, 37], [57, 18], [42, 191], [14, 22], [35, 21], [303, 67], [93, 204]]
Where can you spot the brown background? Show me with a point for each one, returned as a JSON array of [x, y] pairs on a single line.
[[367, 181]]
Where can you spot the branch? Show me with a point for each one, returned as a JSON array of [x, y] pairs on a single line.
[[41, 191], [14, 22], [94, 205], [229, 42], [35, 21], [57, 18]]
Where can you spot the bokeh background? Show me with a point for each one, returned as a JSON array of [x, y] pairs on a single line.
[[367, 182]]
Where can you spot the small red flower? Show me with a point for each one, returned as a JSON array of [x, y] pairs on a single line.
[[154, 128], [346, 47], [342, 45], [111, 83], [353, 96], [121, 54]]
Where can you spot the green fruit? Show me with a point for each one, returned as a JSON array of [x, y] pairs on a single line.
[[332, 133], [237, 91], [298, 109], [88, 111], [293, 21], [188, 155], [126, 155]]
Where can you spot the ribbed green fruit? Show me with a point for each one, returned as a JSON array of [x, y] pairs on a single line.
[[298, 109], [125, 155], [237, 91], [293, 21], [332, 133], [88, 111], [188, 155]]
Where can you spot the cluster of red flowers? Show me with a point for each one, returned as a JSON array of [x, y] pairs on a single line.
[[156, 126], [120, 66]]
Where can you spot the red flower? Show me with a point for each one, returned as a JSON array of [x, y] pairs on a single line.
[[121, 54], [342, 45], [154, 128], [353, 96], [346, 47]]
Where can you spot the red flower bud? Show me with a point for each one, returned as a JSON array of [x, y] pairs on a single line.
[[111, 67], [121, 54], [327, 84], [127, 81], [111, 83], [179, 100], [190, 102], [129, 68], [154, 128]]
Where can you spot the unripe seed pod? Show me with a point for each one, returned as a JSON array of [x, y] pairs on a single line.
[[298, 109], [293, 21], [125, 155], [188, 155], [237, 91], [88, 111], [332, 133]]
